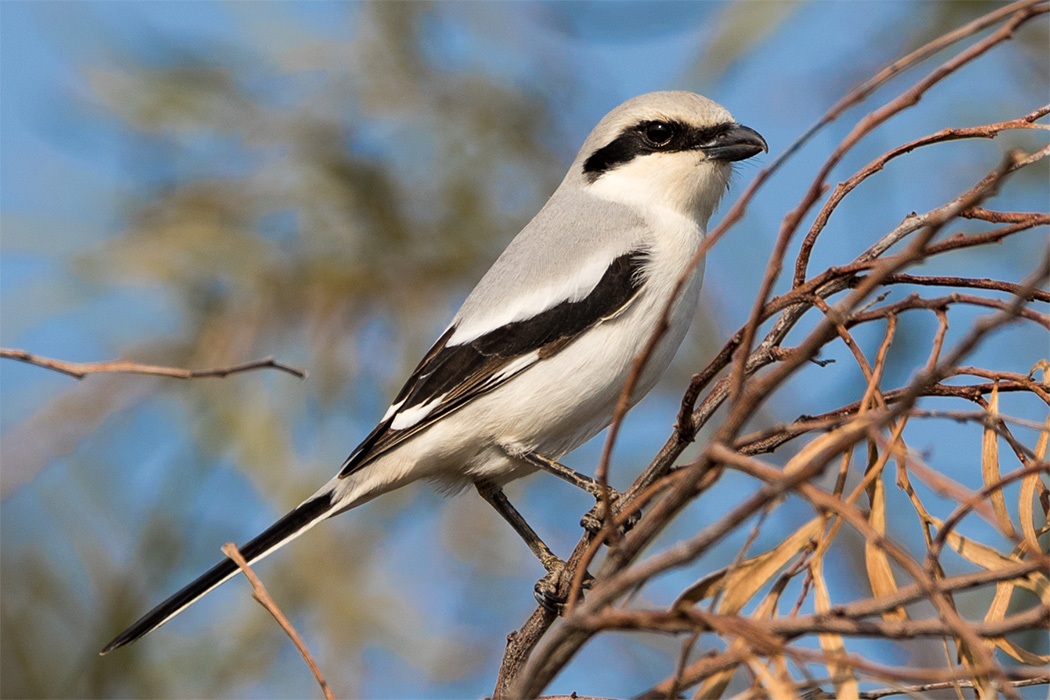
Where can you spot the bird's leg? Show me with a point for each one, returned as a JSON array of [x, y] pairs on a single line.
[[546, 589], [592, 519], [498, 500]]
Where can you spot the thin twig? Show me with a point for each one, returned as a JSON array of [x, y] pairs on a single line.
[[259, 594], [79, 370], [987, 131], [670, 491], [613, 581], [693, 620], [943, 685]]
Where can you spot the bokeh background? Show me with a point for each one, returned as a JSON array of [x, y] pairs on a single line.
[[201, 184]]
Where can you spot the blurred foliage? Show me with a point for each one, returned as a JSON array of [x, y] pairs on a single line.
[[326, 202], [359, 186]]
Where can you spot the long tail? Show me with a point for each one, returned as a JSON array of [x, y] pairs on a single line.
[[305, 516]]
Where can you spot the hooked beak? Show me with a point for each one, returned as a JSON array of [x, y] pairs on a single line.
[[737, 143]]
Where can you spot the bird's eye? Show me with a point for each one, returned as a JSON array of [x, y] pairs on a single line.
[[658, 133]]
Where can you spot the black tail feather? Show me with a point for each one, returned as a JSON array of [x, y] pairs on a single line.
[[292, 524]]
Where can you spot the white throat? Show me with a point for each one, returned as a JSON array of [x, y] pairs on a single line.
[[685, 182]]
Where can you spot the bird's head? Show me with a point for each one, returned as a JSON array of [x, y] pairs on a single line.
[[665, 149]]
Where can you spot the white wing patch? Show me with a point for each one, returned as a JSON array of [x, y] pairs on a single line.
[[409, 417], [391, 411], [416, 414]]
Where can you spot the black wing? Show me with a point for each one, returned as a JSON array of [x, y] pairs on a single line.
[[451, 376]]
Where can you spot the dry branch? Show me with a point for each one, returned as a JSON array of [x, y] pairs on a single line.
[[874, 430], [263, 598], [79, 370], [944, 685]]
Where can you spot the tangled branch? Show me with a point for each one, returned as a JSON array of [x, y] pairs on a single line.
[[746, 614]]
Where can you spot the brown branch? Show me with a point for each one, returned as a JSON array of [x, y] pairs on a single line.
[[769, 439], [825, 330], [259, 594], [1010, 381], [980, 417], [987, 131], [899, 673], [907, 99], [960, 240], [691, 417], [914, 301], [79, 370], [914, 690], [996, 217], [714, 663], [794, 304], [612, 581], [840, 277], [914, 592], [692, 620], [790, 223], [1040, 389], [677, 489], [520, 645], [970, 283]]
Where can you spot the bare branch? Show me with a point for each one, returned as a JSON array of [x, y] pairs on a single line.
[[987, 131], [872, 429], [259, 594], [79, 370], [944, 685]]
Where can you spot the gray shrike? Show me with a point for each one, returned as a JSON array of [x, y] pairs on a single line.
[[532, 365]]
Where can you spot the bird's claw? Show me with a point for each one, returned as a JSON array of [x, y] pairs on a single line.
[[546, 592], [546, 589], [593, 519]]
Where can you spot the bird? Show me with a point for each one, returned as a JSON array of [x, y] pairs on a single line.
[[533, 363]]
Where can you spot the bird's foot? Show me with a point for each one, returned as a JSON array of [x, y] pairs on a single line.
[[593, 519], [546, 589]]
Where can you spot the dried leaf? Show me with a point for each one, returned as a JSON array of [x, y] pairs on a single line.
[[880, 575], [1041, 366], [991, 559], [1021, 654], [842, 673], [777, 686], [990, 465], [740, 583], [1044, 437], [996, 612], [981, 682], [1025, 508], [847, 434], [1001, 601], [715, 684]]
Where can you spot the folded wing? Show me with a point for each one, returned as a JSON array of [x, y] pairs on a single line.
[[452, 375]]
